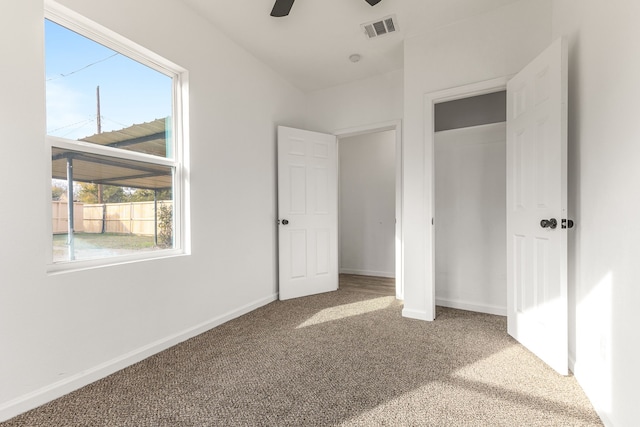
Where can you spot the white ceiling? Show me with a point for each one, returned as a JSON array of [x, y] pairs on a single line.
[[311, 46]]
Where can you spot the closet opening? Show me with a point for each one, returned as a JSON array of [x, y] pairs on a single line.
[[470, 203]]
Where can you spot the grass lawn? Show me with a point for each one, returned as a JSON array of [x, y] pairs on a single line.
[[90, 245], [106, 240]]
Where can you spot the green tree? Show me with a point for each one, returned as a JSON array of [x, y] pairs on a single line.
[[165, 226], [140, 195], [144, 195], [88, 193], [165, 194], [57, 192]]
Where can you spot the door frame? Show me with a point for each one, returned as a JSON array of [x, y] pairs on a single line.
[[394, 125], [430, 100]]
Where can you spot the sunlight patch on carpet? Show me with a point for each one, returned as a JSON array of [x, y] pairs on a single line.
[[348, 310], [484, 371], [501, 373]]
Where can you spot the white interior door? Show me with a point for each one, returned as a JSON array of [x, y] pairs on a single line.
[[536, 200], [307, 212]]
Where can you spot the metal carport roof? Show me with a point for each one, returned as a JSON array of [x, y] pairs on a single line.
[[149, 138]]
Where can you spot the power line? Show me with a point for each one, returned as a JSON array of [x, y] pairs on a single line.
[[77, 129], [83, 122], [83, 68], [114, 121]]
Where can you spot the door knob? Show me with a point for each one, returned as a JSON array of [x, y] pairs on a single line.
[[549, 223], [285, 221]]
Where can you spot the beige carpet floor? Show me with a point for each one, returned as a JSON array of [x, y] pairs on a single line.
[[345, 358]]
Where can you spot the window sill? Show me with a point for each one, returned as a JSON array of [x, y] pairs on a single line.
[[91, 264]]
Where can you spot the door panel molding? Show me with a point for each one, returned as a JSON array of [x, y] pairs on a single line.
[[307, 212], [537, 307]]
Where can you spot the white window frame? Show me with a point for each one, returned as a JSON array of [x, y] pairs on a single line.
[[99, 34]]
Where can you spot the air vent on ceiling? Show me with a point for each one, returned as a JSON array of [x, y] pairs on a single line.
[[387, 25]]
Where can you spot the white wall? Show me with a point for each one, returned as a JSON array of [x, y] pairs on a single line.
[[492, 45], [58, 332], [367, 204], [470, 218], [370, 101], [604, 89]]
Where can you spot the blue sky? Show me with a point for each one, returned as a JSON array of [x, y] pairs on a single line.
[[130, 92]]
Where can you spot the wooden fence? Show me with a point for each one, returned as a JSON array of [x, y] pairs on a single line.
[[121, 218], [60, 216]]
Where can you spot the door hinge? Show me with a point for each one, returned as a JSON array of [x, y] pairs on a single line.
[[566, 223]]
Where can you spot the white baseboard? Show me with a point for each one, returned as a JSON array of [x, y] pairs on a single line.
[[58, 389], [415, 314], [372, 273], [469, 306]]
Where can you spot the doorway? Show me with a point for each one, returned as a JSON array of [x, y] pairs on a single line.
[[469, 187], [366, 211], [536, 191], [370, 216], [308, 213]]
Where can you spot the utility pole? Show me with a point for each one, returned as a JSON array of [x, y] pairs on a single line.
[[99, 130], [100, 189], [98, 109]]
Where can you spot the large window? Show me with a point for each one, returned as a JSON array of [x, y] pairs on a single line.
[[115, 138]]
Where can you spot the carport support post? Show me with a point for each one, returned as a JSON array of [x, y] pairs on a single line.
[[70, 225], [155, 217]]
